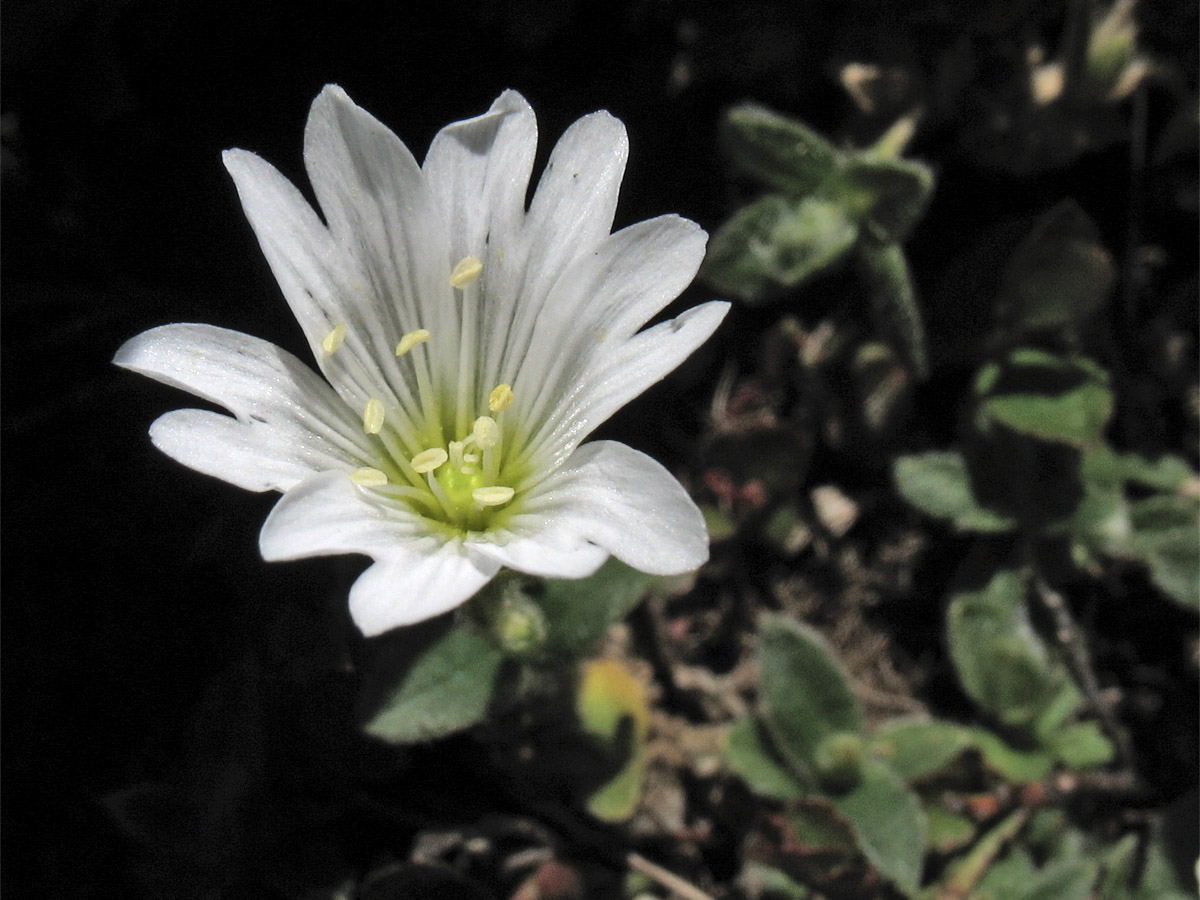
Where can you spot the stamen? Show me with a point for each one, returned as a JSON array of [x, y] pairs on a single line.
[[466, 272], [492, 496], [428, 460], [501, 398], [456, 453], [410, 340], [373, 414], [486, 432], [368, 477], [334, 339]]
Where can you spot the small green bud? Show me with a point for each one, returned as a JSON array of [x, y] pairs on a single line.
[[838, 761], [518, 624]]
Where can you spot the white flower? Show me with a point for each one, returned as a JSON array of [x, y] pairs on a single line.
[[468, 346]]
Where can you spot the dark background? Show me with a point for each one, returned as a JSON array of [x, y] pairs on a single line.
[[132, 587]]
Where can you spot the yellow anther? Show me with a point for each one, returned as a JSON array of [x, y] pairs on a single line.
[[501, 398], [368, 477], [411, 340], [466, 272], [492, 496], [373, 414], [486, 432], [428, 460], [334, 339]]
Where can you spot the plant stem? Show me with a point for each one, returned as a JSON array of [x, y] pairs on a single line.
[[1080, 663], [666, 878]]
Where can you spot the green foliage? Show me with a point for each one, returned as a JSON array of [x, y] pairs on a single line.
[[938, 483], [806, 695], [777, 240], [748, 753], [1001, 661], [888, 824], [825, 206], [1059, 276], [450, 685], [917, 748], [816, 745], [611, 704], [894, 302], [579, 612], [447, 689], [1047, 397], [781, 152]]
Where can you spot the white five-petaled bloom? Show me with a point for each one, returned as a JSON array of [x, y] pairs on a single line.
[[468, 346]]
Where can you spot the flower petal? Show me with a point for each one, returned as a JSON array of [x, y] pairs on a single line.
[[478, 171], [624, 501], [289, 421], [253, 455], [301, 252], [571, 212], [381, 212], [552, 552], [613, 380], [601, 302], [417, 574]]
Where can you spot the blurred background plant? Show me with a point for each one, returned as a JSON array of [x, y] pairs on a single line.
[[947, 643]]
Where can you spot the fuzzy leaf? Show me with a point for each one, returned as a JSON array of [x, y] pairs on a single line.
[[1165, 536], [890, 194], [948, 832], [938, 484], [1002, 662], [775, 241], [894, 303], [751, 758], [1082, 745], [579, 612], [785, 154], [805, 693], [1167, 473], [1008, 762], [918, 748], [1048, 397], [612, 706], [888, 824], [447, 689], [1059, 275]]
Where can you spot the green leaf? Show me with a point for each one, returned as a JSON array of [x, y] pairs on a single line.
[[779, 151], [938, 484], [1048, 397], [894, 302], [1082, 745], [918, 748], [890, 194], [1001, 661], [1059, 275], [447, 689], [1015, 878], [1006, 761], [888, 823], [948, 832], [752, 759], [1166, 537], [774, 241], [612, 705], [767, 883], [1167, 473], [579, 612], [806, 695]]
